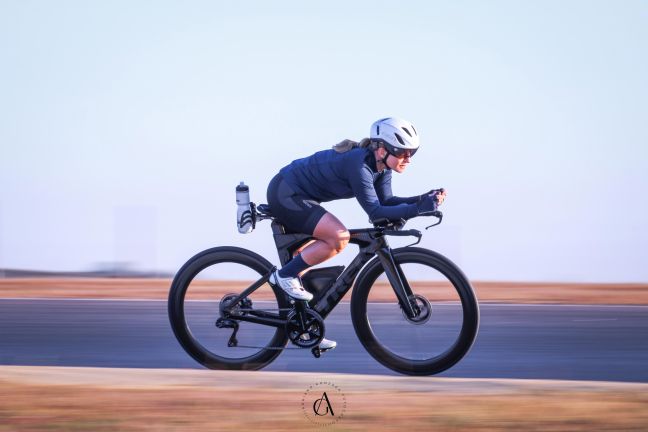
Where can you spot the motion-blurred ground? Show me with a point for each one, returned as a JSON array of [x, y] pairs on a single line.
[[50, 398]]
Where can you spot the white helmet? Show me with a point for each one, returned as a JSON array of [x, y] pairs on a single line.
[[396, 135]]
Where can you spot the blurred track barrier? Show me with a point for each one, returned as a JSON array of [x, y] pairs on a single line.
[[152, 288]]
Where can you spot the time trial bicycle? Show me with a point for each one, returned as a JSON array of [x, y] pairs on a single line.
[[413, 310]]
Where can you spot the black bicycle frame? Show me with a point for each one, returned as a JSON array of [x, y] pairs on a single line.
[[372, 241]]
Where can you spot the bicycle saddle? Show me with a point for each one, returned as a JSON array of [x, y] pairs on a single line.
[[264, 210]]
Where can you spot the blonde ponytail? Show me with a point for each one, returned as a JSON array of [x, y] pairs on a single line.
[[347, 144]]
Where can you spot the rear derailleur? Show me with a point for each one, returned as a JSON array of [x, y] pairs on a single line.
[[227, 310], [228, 323]]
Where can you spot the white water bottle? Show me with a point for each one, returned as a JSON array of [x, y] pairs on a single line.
[[243, 213]]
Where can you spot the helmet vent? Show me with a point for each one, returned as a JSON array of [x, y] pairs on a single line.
[[400, 140], [378, 130], [414, 129], [406, 131]]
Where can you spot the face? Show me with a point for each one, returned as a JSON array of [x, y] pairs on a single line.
[[399, 164]]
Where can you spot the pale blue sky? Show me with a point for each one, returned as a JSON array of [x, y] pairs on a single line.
[[125, 126]]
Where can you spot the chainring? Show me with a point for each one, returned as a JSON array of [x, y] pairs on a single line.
[[314, 325]]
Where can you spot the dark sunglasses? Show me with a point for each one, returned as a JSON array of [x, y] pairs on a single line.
[[395, 151], [401, 153]]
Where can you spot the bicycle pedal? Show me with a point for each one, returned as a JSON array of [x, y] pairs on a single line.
[[226, 323], [296, 303]]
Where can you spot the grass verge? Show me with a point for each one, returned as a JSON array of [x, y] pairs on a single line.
[[97, 399]]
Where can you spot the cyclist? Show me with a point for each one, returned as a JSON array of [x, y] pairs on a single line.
[[361, 170]]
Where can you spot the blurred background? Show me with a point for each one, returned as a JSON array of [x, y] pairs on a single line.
[[125, 127]]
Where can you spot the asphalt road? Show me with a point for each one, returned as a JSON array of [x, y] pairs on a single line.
[[606, 343]]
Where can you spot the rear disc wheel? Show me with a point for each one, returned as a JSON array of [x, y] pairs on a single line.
[[202, 289]]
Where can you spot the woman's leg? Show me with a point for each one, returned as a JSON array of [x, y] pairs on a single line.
[[331, 238], [299, 251]]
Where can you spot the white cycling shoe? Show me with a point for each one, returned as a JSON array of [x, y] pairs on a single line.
[[326, 344], [291, 285]]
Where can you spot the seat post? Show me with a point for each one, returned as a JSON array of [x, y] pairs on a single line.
[[278, 233], [287, 243], [277, 228]]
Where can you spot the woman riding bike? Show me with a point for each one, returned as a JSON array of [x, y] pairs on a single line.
[[361, 170]]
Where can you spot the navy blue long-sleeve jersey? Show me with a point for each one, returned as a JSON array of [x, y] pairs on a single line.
[[328, 175]]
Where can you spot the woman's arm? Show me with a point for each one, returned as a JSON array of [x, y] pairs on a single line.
[[384, 192], [366, 194]]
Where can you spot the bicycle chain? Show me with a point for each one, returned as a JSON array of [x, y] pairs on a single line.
[[266, 347]]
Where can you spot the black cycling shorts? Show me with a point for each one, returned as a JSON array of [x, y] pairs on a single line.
[[297, 212]]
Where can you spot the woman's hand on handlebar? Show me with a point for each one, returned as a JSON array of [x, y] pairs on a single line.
[[427, 204], [439, 194], [430, 201]]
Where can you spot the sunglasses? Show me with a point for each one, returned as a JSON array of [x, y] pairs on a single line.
[[401, 153], [395, 151]]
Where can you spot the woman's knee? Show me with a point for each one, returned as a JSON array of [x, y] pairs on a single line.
[[330, 230], [340, 241]]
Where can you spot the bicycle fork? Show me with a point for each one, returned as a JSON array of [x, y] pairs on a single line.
[[398, 283]]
